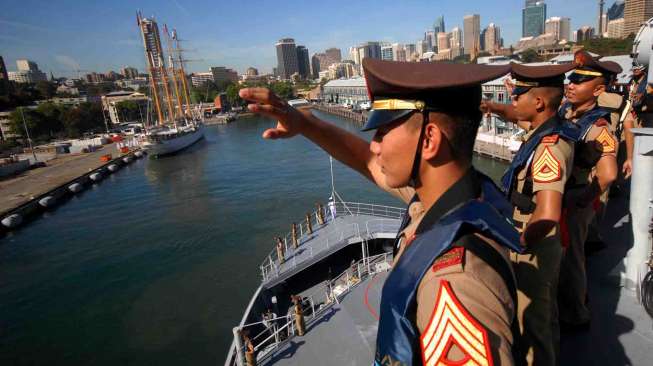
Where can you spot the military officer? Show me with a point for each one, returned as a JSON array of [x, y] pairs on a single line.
[[638, 112], [450, 295], [595, 168], [535, 183]]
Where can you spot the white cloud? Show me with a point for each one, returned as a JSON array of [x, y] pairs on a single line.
[[67, 61]]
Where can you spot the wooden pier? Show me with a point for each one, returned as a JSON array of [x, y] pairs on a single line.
[[359, 117]]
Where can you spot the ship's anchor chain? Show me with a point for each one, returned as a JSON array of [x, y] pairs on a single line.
[[647, 282]]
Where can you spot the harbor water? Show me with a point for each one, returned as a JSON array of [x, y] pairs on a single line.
[[156, 264]]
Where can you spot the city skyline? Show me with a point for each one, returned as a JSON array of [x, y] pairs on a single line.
[[61, 48]]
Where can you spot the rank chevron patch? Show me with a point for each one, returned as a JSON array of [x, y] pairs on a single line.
[[607, 142], [451, 325], [546, 168]]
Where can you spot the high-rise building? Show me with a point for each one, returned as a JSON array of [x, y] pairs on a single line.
[[456, 41], [616, 28], [369, 49], [398, 52], [28, 72], [558, 27], [533, 18], [443, 41], [333, 55], [3, 70], [287, 63], [584, 33], [129, 72], [411, 52], [421, 46], [492, 38], [315, 66], [386, 52], [472, 29], [604, 25], [303, 63], [26, 65], [636, 12], [438, 26], [616, 11], [602, 19], [429, 37]]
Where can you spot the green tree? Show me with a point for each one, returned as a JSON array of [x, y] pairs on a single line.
[[87, 117], [34, 122], [128, 110], [609, 46], [232, 95], [46, 89], [530, 55], [283, 89], [50, 116]]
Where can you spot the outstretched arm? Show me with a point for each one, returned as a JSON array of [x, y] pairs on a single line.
[[346, 147], [505, 111]]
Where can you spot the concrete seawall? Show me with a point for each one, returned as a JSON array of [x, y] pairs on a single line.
[[25, 197]]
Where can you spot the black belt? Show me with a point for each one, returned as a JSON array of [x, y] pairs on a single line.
[[523, 202]]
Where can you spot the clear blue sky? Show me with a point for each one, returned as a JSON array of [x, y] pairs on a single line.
[[64, 35]]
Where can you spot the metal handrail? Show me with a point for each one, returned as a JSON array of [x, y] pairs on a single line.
[[269, 267], [327, 299]]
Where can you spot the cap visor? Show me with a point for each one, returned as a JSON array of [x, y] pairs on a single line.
[[519, 90], [578, 78], [377, 118]]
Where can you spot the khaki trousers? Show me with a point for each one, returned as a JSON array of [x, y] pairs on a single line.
[[537, 280]]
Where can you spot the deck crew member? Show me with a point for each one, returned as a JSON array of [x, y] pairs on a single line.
[[281, 252], [450, 295], [595, 168], [639, 114], [535, 183]]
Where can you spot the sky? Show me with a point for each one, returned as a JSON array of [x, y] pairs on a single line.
[[64, 36]]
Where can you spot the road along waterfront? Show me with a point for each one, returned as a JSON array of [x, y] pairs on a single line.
[[156, 264]]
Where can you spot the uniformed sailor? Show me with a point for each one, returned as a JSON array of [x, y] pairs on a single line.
[[638, 113], [595, 169], [450, 295], [535, 183]]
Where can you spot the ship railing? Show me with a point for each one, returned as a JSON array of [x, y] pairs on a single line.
[[270, 266], [280, 330], [381, 226]]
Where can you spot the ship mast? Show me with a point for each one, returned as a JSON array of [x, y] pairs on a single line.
[[182, 73], [173, 72]]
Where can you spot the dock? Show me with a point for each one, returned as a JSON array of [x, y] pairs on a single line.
[[359, 117], [23, 195]]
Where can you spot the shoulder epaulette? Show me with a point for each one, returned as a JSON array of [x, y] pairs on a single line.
[[601, 122], [551, 139]]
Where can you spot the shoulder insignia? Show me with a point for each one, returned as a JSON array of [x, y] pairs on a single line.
[[546, 168], [550, 139], [451, 325], [607, 143], [601, 122], [450, 258]]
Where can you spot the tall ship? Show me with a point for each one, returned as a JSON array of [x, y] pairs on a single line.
[[174, 126]]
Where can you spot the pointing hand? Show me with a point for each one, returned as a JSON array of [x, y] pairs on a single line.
[[263, 101]]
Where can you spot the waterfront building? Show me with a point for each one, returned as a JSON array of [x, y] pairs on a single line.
[[533, 18], [353, 55], [201, 78], [287, 63], [369, 49], [584, 33], [559, 27], [303, 64], [65, 89], [325, 74], [315, 67], [438, 26], [333, 55], [26, 65], [616, 28], [398, 52], [492, 38], [636, 12], [352, 91], [472, 29], [222, 75], [410, 51], [444, 54], [129, 72], [111, 100], [135, 84], [422, 47], [342, 70], [319, 62], [70, 101]]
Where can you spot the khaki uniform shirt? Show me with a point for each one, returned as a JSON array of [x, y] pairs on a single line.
[[598, 142], [479, 292], [615, 103], [549, 169]]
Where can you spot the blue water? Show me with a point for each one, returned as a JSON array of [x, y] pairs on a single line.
[[155, 264]]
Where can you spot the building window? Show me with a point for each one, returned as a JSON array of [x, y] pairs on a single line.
[[500, 97]]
